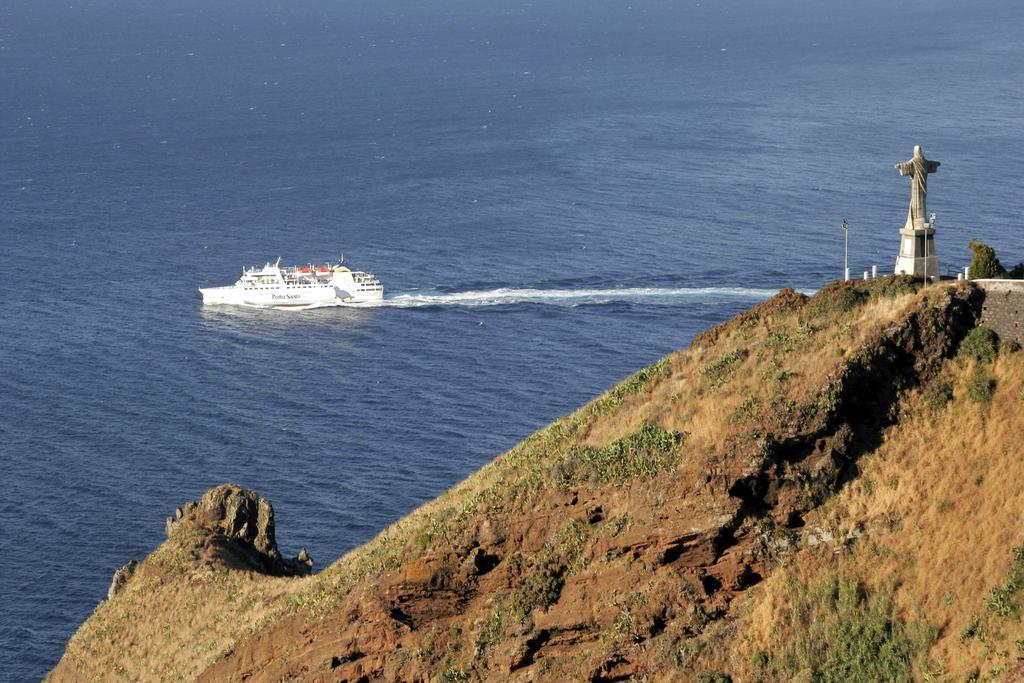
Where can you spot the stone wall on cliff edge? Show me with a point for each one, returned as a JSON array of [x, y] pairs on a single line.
[[1003, 308]]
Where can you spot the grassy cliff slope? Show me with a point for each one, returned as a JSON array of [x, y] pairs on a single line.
[[819, 489]]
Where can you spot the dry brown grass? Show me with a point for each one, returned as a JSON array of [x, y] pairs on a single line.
[[174, 618], [939, 509], [790, 353]]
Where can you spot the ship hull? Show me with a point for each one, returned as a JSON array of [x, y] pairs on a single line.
[[339, 289]]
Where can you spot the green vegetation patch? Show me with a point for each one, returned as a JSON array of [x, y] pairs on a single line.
[[633, 384], [839, 297], [452, 675], [972, 629], [787, 341], [720, 370], [539, 589], [938, 394], [746, 411], [985, 263], [891, 287], [1003, 600], [565, 552], [617, 524], [839, 632], [570, 543], [492, 630], [980, 387], [629, 626], [981, 344], [644, 453]]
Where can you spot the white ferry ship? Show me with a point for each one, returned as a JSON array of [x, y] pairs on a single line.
[[305, 286]]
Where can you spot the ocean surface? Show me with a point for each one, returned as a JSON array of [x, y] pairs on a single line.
[[554, 194]]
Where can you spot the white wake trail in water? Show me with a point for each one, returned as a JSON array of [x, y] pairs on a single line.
[[505, 296]]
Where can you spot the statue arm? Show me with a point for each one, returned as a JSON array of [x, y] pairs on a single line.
[[905, 168], [933, 166]]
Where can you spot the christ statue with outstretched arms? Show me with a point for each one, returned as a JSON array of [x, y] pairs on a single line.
[[918, 169]]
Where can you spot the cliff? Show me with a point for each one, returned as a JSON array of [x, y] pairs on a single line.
[[820, 489]]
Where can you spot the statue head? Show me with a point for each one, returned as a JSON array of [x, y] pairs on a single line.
[[917, 152]]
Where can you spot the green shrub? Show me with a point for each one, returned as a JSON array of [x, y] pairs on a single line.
[[493, 627], [985, 264], [1002, 599], [837, 297], [624, 625], [452, 675], [840, 296], [980, 387], [570, 542], [938, 394], [646, 452], [847, 634], [719, 370], [746, 411], [972, 630], [786, 341], [633, 384], [891, 286], [539, 589], [981, 344]]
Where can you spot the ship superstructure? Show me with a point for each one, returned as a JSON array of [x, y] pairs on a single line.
[[303, 286]]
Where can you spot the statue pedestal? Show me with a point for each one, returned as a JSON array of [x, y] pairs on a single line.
[[914, 244]]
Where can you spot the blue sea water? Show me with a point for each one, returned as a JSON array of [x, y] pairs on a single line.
[[554, 194]]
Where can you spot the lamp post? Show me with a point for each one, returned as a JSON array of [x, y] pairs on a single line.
[[931, 226], [846, 251]]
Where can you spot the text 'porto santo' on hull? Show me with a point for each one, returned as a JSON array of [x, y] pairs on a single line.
[[307, 286]]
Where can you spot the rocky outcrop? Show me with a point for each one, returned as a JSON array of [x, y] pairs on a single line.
[[242, 525], [121, 577]]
